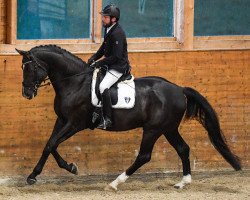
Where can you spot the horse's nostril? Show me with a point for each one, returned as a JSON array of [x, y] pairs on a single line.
[[26, 95]]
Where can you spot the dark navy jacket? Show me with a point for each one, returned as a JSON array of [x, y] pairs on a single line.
[[114, 49]]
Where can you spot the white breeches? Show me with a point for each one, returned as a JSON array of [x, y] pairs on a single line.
[[109, 79]]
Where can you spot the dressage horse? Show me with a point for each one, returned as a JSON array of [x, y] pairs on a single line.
[[159, 108]]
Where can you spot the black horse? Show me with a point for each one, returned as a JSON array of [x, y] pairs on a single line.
[[160, 106]]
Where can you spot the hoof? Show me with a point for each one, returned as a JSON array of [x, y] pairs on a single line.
[[177, 186], [110, 188], [185, 181], [31, 181], [74, 168], [180, 185]]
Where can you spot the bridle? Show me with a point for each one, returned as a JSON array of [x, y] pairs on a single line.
[[36, 83]]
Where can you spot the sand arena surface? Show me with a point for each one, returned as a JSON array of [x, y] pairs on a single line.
[[209, 185]]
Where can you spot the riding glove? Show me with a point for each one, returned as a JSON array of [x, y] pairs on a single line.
[[91, 60]]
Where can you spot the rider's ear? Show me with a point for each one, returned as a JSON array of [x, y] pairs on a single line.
[[23, 53]]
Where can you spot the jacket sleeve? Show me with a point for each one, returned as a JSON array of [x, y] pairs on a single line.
[[99, 53], [117, 51]]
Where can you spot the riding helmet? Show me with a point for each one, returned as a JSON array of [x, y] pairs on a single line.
[[111, 10]]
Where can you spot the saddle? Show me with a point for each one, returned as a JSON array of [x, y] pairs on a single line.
[[122, 93], [113, 89]]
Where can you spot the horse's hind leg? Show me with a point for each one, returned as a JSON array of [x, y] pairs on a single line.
[[182, 149], [148, 140]]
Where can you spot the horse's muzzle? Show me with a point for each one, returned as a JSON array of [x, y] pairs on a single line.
[[28, 93]]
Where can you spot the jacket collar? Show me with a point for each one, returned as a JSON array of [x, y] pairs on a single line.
[[110, 31]]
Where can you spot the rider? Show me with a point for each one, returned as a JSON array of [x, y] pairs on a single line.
[[114, 50]]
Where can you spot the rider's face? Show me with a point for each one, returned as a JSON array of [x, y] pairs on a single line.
[[106, 21]]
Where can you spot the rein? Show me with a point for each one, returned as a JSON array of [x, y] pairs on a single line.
[[36, 86], [50, 83]]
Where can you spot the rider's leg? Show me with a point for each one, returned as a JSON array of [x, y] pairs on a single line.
[[106, 121], [110, 78]]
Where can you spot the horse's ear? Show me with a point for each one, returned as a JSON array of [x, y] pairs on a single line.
[[23, 53]]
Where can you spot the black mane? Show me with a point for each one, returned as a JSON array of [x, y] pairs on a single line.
[[59, 50]]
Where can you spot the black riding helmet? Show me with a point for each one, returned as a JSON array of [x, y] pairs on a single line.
[[111, 10]]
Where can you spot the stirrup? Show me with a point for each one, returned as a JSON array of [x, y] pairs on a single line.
[[104, 124], [95, 116]]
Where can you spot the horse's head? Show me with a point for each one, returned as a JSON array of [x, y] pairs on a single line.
[[33, 74]]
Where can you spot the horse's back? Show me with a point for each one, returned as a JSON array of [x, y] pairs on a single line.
[[158, 85]]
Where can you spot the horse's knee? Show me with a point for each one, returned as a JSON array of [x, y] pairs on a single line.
[[50, 146], [47, 149]]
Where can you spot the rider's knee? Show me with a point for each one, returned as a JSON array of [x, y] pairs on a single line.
[[102, 88]]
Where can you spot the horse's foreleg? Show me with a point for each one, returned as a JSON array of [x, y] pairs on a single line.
[[60, 161], [182, 149], [72, 167], [148, 140], [51, 145]]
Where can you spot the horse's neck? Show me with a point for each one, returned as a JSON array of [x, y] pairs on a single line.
[[63, 72], [58, 66]]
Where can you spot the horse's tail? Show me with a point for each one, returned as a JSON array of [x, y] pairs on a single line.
[[199, 108]]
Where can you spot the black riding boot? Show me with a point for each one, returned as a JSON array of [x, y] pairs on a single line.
[[106, 121]]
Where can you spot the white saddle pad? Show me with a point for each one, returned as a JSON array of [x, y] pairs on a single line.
[[126, 93]]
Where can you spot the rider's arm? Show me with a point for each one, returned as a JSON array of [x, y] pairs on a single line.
[[99, 53]]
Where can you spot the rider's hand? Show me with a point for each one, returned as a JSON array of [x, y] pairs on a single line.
[[97, 64], [91, 60]]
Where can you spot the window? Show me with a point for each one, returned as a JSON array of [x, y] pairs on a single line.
[[46, 19], [141, 18], [150, 25], [223, 17]]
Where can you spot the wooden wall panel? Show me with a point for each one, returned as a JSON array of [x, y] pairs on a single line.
[[3, 22], [221, 76]]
